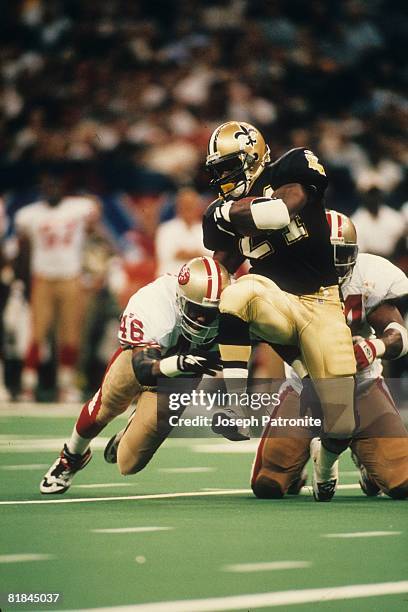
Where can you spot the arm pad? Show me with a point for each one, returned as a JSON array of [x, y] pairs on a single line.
[[142, 363], [269, 213]]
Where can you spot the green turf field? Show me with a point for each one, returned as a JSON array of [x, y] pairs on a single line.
[[197, 539]]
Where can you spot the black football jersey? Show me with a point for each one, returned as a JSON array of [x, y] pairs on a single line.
[[298, 257]]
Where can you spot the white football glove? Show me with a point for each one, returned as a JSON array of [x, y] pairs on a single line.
[[366, 351], [195, 362]]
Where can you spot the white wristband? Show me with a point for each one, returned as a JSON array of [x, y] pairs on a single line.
[[379, 347], [168, 366], [269, 214], [404, 336]]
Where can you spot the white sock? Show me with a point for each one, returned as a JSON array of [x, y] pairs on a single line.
[[235, 382], [66, 377], [326, 461], [235, 379], [77, 444], [29, 379]]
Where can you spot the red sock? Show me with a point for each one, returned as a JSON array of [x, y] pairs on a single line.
[[32, 359], [68, 355], [86, 425]]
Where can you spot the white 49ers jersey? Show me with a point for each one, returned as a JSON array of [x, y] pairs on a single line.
[[57, 235], [374, 280], [151, 316]]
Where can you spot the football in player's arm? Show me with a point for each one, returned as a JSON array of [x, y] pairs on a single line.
[[169, 329], [372, 288]]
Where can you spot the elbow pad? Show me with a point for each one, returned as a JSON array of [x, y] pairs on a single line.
[[142, 363], [269, 213]]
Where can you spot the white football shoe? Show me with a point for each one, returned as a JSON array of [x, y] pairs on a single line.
[[59, 477], [224, 423], [323, 488]]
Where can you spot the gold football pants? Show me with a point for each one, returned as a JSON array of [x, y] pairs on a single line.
[[148, 428], [316, 324]]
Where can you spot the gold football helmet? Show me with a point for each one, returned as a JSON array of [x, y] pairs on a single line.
[[237, 154], [200, 283], [343, 237]]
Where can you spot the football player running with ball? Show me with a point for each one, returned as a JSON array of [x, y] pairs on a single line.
[[371, 287], [168, 329], [273, 214]]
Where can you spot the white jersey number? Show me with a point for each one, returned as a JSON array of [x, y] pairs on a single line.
[[131, 329], [251, 251], [295, 231]]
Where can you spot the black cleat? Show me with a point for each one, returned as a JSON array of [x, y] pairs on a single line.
[[110, 454]]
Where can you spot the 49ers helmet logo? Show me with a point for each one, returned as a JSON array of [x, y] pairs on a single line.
[[184, 275]]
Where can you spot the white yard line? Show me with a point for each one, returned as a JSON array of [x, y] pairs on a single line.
[[203, 493], [361, 534], [51, 410], [186, 470], [132, 529], [31, 409], [23, 557], [34, 445], [265, 566], [125, 497], [104, 485], [227, 447], [25, 467], [262, 600]]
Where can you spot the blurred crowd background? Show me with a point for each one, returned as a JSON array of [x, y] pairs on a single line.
[[119, 98]]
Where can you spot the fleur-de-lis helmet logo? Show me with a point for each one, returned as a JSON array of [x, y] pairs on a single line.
[[246, 137]]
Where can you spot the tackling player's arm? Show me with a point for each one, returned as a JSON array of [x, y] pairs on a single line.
[[391, 340], [148, 365]]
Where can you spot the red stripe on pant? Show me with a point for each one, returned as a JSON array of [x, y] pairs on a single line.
[[258, 458], [32, 359], [86, 425], [68, 355]]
